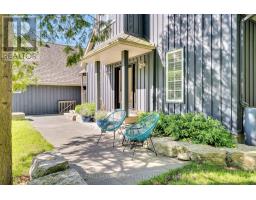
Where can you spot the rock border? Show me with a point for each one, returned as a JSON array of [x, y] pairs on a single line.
[[51, 168], [243, 156]]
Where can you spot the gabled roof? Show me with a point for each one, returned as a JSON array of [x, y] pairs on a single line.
[[113, 46], [52, 70]]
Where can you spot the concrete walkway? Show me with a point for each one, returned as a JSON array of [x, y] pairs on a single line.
[[100, 164]]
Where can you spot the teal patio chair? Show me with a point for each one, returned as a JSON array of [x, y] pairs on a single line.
[[111, 123], [140, 132]]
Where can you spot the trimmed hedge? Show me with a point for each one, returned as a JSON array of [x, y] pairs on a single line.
[[194, 128]]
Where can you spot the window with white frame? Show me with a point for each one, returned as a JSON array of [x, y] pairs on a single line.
[[175, 76]]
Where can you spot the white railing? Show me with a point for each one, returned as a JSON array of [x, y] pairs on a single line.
[[66, 106]]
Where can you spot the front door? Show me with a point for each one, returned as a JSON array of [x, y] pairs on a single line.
[[131, 87]]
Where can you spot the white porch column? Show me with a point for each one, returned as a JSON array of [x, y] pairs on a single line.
[[124, 59], [97, 72]]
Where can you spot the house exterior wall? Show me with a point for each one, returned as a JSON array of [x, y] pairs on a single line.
[[136, 25], [211, 64], [211, 47], [37, 100], [117, 24], [249, 89], [143, 83], [133, 24]]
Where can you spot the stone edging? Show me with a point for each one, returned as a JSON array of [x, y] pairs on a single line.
[[242, 156]]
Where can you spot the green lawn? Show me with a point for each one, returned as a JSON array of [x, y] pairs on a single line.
[[26, 143], [202, 174]]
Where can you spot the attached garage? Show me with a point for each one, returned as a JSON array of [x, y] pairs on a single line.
[[37, 100], [56, 82]]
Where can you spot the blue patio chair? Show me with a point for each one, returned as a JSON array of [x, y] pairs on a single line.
[[112, 123], [141, 131]]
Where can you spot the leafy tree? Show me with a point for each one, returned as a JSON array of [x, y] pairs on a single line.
[[22, 69], [22, 75], [74, 30]]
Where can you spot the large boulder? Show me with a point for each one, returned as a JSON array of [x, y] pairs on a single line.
[[207, 154], [67, 177], [183, 152], [47, 163], [164, 146], [242, 156]]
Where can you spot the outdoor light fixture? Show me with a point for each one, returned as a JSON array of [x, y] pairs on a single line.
[[142, 63], [84, 79]]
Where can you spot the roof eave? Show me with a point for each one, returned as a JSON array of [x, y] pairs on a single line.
[[117, 42]]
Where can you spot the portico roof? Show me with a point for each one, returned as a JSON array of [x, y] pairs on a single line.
[[110, 50]]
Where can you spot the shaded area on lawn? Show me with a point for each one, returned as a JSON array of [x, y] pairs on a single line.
[[202, 174], [26, 143]]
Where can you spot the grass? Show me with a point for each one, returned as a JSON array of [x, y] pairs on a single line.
[[26, 143], [203, 174]]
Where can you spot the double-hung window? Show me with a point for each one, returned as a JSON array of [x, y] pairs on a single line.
[[175, 76]]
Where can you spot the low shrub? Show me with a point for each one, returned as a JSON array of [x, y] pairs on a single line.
[[193, 127], [86, 109], [100, 115], [78, 108]]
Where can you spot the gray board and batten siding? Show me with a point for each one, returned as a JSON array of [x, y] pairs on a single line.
[[43, 99], [211, 46], [211, 64], [249, 72]]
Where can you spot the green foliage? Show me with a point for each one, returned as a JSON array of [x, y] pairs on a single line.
[[195, 128], [78, 108], [86, 109], [22, 75], [26, 143], [23, 66], [100, 115], [74, 30], [203, 174]]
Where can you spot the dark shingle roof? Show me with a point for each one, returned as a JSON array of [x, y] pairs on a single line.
[[52, 70]]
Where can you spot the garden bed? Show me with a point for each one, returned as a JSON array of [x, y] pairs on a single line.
[[194, 128]]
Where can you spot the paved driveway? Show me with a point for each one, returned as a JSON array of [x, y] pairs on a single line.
[[100, 164]]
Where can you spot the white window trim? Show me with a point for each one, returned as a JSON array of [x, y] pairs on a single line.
[[182, 78]]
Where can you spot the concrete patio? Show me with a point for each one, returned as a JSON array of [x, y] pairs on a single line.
[[100, 164]]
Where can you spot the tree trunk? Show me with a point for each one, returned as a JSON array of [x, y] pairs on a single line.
[[5, 116]]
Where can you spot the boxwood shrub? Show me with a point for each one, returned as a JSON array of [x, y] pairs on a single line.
[[194, 128]]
